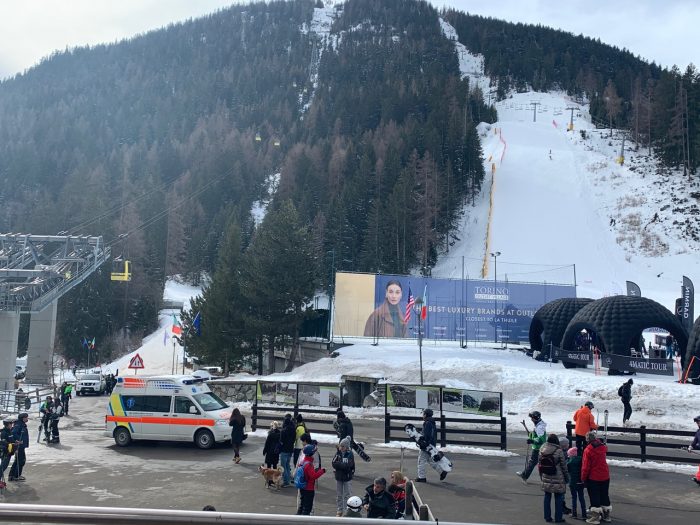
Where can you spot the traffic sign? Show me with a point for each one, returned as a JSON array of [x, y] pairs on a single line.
[[136, 362]]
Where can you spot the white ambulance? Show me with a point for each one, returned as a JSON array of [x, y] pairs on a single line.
[[167, 408]]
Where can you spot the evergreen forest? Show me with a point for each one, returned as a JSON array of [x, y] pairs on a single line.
[[162, 144]]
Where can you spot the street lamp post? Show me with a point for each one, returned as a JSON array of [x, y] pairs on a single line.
[[495, 294], [419, 305]]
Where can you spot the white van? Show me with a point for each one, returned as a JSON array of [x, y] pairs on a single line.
[[168, 408]]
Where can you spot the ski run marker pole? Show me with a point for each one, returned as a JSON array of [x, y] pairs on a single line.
[[605, 428]]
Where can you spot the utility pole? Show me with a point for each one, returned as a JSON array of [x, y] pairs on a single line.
[[534, 110], [621, 158], [571, 120]]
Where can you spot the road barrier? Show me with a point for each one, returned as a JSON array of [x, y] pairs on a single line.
[[648, 438]]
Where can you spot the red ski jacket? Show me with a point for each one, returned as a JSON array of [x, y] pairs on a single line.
[[595, 466], [310, 473]]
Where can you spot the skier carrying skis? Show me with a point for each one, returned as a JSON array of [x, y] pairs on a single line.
[[695, 445], [429, 438], [535, 438]]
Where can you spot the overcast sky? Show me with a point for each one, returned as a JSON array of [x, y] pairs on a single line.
[[664, 31]]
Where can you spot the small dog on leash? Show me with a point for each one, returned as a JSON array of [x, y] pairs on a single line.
[[272, 476]]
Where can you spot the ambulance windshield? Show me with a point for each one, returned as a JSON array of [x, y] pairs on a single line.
[[209, 401]]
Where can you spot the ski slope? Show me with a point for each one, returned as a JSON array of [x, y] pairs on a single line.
[[554, 195]]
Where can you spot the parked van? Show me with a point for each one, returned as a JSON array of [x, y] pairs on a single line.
[[168, 408]]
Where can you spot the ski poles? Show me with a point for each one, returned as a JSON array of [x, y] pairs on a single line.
[[605, 428], [527, 445]]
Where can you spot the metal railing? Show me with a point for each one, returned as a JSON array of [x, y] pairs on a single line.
[[49, 514], [12, 403]]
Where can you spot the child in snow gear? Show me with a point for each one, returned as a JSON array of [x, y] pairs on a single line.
[[306, 476], [354, 507], [299, 430], [584, 422], [7, 446], [237, 424], [272, 447], [535, 439], [378, 502], [20, 435], [625, 393], [45, 410], [397, 489], [596, 476], [344, 467], [54, 418], [555, 476], [573, 465], [695, 445]]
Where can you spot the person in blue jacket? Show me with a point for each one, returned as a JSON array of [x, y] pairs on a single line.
[[20, 433]]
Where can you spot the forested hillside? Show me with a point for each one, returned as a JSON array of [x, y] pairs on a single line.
[[659, 107], [162, 143]]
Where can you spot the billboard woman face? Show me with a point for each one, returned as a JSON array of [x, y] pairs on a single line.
[[393, 293]]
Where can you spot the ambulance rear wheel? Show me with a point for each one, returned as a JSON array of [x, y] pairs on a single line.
[[122, 437], [204, 439]]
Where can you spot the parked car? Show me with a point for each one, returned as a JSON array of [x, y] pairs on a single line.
[[91, 384], [20, 372]]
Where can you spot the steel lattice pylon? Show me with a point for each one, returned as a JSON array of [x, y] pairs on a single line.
[[38, 269]]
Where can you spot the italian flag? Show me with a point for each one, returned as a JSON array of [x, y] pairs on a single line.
[[424, 308], [176, 328]]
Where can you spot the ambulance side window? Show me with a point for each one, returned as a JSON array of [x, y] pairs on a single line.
[[147, 403], [183, 404]]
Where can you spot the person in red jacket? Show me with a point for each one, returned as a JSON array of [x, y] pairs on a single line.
[[311, 474], [595, 475]]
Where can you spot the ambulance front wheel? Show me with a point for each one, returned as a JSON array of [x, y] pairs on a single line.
[[122, 437], [204, 439]]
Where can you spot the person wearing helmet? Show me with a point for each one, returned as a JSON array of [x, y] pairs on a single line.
[[535, 438], [20, 435], [354, 507], [7, 445], [310, 475], [584, 422], [695, 445]]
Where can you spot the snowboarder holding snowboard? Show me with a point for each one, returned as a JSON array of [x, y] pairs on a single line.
[[429, 438], [535, 438]]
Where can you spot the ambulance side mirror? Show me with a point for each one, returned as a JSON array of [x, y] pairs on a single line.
[[193, 409]]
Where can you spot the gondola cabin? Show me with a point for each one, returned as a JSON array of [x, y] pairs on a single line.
[[121, 270]]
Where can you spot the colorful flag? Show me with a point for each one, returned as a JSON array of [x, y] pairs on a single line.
[[409, 305], [176, 328], [92, 344], [424, 309], [197, 324], [84, 342]]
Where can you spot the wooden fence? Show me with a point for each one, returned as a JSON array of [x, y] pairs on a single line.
[[447, 426]]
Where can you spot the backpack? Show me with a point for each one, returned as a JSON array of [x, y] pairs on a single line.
[[299, 478], [619, 391], [547, 465]]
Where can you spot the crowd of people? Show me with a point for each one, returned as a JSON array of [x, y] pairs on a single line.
[[290, 443]]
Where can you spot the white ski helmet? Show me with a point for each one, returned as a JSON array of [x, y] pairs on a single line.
[[355, 502]]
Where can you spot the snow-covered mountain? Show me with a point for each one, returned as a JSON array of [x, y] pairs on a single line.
[[555, 198]]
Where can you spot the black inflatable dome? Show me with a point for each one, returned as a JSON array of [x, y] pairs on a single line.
[[618, 321], [694, 349], [550, 321]]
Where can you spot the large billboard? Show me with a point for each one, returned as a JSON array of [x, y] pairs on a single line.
[[376, 306]]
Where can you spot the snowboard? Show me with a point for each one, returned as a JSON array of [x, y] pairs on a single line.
[[439, 461], [359, 448]]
